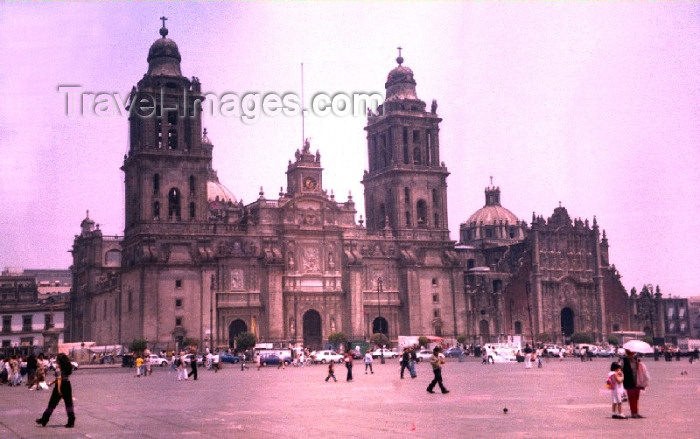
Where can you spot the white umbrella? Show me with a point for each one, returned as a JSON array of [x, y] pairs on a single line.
[[638, 346]]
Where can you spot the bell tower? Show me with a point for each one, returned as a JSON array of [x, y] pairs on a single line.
[[406, 184], [167, 165]]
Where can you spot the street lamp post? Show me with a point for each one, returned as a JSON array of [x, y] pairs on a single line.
[[529, 312], [379, 321], [211, 316]]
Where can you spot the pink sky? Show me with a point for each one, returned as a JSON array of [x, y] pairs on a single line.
[[594, 105]]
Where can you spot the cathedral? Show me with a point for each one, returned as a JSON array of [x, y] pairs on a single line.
[[196, 263]]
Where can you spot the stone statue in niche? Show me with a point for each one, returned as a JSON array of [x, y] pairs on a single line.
[[290, 260], [311, 260], [374, 276], [237, 279], [331, 261], [237, 250]]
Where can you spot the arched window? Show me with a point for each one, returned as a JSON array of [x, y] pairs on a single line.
[[407, 196], [389, 150], [406, 157], [156, 183], [435, 197], [497, 285], [422, 212], [373, 153], [192, 210], [416, 156], [436, 220], [408, 218], [174, 203], [382, 216], [192, 184], [156, 210], [432, 159]]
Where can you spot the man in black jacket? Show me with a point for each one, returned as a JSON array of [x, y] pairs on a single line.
[[193, 365]]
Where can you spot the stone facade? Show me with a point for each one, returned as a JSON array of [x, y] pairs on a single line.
[[196, 263], [543, 282], [670, 319], [32, 319]]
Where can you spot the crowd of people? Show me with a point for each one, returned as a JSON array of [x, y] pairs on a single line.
[[30, 370], [626, 379]]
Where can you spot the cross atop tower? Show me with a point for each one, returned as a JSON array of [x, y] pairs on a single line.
[[399, 59], [163, 30]]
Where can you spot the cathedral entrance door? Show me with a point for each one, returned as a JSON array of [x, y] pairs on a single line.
[[234, 329], [380, 325], [312, 330], [567, 322], [484, 331]]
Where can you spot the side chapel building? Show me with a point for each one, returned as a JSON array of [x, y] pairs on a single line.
[[194, 262]]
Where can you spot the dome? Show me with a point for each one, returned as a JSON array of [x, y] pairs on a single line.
[[493, 224], [164, 57], [400, 83], [492, 212], [493, 215], [218, 192]]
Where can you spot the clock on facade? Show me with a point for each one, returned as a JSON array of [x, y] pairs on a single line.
[[309, 183]]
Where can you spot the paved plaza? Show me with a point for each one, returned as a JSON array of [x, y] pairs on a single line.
[[564, 399]]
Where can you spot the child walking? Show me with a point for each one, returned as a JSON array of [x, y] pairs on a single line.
[[615, 378], [331, 372]]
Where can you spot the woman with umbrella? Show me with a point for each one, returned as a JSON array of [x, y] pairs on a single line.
[[635, 372]]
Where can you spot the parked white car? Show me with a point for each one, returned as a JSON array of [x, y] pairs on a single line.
[[424, 355], [553, 349], [387, 353], [155, 360], [327, 357]]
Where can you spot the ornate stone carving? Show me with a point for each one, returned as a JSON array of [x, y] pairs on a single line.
[[236, 248], [309, 218], [311, 260], [237, 279]]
